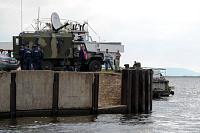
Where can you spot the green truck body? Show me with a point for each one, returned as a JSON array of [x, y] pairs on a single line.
[[60, 49]]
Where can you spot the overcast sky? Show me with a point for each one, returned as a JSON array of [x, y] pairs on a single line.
[[157, 33]]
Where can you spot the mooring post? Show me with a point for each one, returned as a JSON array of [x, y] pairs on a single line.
[[147, 91], [128, 91], [142, 92], [13, 96], [124, 87], [95, 94], [135, 92], [55, 94]]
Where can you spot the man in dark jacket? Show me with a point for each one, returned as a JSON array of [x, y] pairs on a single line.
[[21, 56], [36, 57], [83, 57], [40, 64], [27, 58]]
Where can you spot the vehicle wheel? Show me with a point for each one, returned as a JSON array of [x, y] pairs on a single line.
[[48, 65], [172, 92], [95, 65]]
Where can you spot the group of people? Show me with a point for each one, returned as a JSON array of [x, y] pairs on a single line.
[[107, 56], [28, 57]]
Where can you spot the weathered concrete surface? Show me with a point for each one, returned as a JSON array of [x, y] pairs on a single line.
[[75, 90], [5, 80], [34, 90]]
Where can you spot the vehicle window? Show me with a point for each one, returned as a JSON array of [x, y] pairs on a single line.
[[17, 41], [79, 47]]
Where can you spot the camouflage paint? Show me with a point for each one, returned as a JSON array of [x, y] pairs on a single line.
[[54, 45]]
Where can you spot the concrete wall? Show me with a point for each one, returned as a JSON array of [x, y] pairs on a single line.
[[75, 90], [5, 79], [34, 90]]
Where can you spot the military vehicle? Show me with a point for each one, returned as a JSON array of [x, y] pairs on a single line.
[[60, 45]]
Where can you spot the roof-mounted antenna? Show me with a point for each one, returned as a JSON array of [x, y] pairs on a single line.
[[55, 20]]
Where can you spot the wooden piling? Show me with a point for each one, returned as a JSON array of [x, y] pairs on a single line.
[[128, 91], [151, 88], [135, 92], [13, 96], [124, 87], [141, 105], [95, 93], [147, 91], [55, 95]]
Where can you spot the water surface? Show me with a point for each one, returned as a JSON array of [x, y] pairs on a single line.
[[175, 114]]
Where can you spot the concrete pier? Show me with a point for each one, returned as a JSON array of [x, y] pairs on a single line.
[[52, 93], [5, 80]]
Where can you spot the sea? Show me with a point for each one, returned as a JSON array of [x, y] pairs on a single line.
[[179, 113]]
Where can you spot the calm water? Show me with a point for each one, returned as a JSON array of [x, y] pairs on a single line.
[[178, 113]]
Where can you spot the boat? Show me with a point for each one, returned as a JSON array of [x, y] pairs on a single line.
[[161, 86]]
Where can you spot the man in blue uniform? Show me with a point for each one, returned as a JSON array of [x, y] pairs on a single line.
[[21, 56], [27, 58], [36, 57]]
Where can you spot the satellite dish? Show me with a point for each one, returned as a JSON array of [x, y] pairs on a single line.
[[55, 20]]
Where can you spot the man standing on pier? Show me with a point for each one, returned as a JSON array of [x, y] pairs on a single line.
[[83, 58], [107, 60], [27, 58], [40, 64], [36, 57], [117, 60]]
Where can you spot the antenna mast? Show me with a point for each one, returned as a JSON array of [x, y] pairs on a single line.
[[21, 18], [38, 18]]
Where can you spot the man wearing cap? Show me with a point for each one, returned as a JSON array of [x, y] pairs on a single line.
[[36, 57], [27, 58], [21, 56]]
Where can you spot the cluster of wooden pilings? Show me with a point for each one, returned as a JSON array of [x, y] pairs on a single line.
[[136, 90]]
